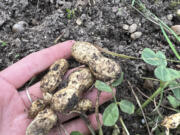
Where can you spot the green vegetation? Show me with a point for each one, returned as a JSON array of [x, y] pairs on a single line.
[[141, 8], [111, 113], [70, 13], [167, 76], [76, 133], [2, 43], [175, 3]]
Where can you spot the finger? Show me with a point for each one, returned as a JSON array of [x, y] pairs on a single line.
[[79, 125], [36, 93], [20, 72]]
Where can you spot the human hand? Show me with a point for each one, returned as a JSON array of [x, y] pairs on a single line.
[[13, 104]]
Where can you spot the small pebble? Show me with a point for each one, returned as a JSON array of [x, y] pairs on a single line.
[[176, 29], [19, 27], [178, 66], [66, 33], [34, 22], [170, 17], [148, 84], [116, 1], [136, 35], [143, 121], [178, 12], [133, 28], [17, 42], [125, 27], [78, 21]]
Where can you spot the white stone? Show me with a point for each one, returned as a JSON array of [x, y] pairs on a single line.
[[176, 29], [170, 17], [78, 21], [178, 12], [133, 28], [136, 35], [19, 27], [125, 27]]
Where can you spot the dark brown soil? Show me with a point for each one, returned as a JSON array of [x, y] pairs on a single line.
[[102, 24]]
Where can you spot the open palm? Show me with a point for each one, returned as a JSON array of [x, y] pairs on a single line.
[[14, 104]]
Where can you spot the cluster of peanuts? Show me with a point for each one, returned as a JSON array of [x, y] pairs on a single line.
[[69, 98]]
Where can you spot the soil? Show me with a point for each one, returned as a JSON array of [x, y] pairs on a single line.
[[100, 23]]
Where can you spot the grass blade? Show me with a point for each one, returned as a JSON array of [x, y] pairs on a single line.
[[169, 42]]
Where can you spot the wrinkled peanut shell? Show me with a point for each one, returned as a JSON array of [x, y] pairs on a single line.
[[54, 77], [36, 106], [66, 99], [42, 123], [102, 68]]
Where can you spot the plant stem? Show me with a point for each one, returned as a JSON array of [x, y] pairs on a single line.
[[126, 56], [120, 118], [114, 98], [132, 4], [86, 120], [155, 94], [166, 26], [161, 97], [116, 54], [88, 123], [116, 130], [139, 104], [148, 78], [97, 113], [123, 125]]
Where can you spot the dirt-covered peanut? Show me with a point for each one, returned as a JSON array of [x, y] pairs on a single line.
[[36, 106], [80, 79], [54, 77], [84, 52], [102, 68], [66, 99], [105, 69], [42, 123], [47, 97], [84, 105]]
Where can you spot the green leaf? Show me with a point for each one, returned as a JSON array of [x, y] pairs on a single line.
[[173, 101], [166, 74], [102, 86], [162, 58], [173, 73], [162, 74], [175, 87], [75, 133], [110, 115], [148, 55], [118, 81], [155, 59], [127, 107]]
